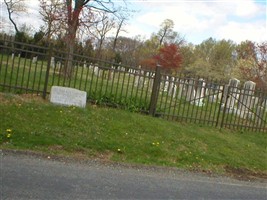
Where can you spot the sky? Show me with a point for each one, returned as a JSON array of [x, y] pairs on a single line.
[[195, 20]]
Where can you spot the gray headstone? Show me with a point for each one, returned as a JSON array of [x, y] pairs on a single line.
[[52, 62], [68, 96], [246, 99], [190, 91], [231, 93]]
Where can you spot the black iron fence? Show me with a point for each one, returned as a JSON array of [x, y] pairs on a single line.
[[28, 68]]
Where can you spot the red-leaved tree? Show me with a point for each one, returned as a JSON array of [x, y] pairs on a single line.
[[253, 62], [169, 57]]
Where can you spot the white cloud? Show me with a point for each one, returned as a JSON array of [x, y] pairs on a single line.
[[241, 32], [199, 20], [246, 8]]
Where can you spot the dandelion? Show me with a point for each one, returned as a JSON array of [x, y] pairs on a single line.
[[153, 143], [8, 135], [158, 143], [119, 150], [60, 111], [8, 130]]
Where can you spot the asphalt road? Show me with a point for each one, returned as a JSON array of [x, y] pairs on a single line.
[[37, 177]]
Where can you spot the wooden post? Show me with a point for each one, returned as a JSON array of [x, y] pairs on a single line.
[[47, 70], [155, 92]]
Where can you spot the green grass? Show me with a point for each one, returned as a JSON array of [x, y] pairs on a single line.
[[37, 125], [20, 75]]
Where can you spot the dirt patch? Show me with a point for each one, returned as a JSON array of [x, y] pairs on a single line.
[[104, 156], [56, 148], [19, 99], [245, 174]]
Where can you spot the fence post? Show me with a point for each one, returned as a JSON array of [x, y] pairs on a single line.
[[225, 103], [155, 92], [50, 49], [220, 105]]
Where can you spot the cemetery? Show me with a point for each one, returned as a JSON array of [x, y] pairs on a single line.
[[177, 97]]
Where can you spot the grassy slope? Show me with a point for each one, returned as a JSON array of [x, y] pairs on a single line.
[[126, 137]]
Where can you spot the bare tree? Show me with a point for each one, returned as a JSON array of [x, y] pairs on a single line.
[[52, 14], [121, 18], [75, 10], [75, 14], [100, 29], [15, 7], [167, 35]]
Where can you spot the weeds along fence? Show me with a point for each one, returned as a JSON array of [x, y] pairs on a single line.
[[26, 68]]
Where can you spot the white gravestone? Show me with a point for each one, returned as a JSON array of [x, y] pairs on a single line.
[[84, 64], [52, 62], [246, 99], [58, 66], [182, 87], [34, 59], [190, 91], [68, 96], [231, 95], [166, 84], [200, 93], [214, 92], [247, 95]]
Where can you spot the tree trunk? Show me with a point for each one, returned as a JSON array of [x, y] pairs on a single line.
[[10, 18], [70, 41], [73, 23]]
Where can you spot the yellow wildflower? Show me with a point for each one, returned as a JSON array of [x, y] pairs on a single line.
[[119, 150], [8, 130]]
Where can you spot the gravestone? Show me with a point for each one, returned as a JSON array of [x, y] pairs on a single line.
[[231, 95], [139, 79], [58, 66], [68, 96], [214, 92], [200, 93], [52, 62], [172, 87], [246, 99], [91, 67], [96, 71], [264, 104], [190, 91], [181, 91], [166, 84], [34, 59], [259, 117], [246, 95], [84, 64], [12, 56]]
